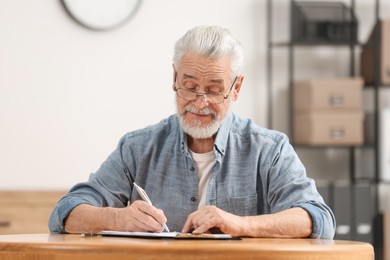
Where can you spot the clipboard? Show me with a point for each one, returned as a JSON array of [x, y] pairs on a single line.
[[172, 235]]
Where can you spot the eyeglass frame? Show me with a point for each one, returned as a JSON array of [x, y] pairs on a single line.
[[198, 94]]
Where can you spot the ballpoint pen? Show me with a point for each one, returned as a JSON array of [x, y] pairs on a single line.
[[145, 197]]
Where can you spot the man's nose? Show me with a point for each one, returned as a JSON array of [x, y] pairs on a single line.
[[201, 101]]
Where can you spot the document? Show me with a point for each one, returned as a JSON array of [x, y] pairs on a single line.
[[174, 235]]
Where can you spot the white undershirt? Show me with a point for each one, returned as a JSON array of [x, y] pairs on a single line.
[[204, 163]]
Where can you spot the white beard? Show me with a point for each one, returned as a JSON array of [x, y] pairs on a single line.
[[195, 129]]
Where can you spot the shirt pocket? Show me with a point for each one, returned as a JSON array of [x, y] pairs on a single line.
[[242, 206]]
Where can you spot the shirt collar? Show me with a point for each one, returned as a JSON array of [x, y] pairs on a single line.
[[221, 140], [223, 134]]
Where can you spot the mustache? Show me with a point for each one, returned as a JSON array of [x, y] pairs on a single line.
[[205, 111]]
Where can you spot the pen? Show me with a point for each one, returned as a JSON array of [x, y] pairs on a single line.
[[145, 197]]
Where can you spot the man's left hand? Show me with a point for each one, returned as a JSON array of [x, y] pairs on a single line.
[[210, 217]]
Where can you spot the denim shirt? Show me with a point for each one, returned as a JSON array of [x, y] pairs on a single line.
[[256, 172]]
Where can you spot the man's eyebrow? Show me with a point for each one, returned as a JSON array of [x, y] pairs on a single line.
[[218, 81], [187, 76]]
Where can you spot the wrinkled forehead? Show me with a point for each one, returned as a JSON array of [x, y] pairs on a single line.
[[204, 67]]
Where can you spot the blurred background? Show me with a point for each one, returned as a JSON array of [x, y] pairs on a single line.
[[69, 93]]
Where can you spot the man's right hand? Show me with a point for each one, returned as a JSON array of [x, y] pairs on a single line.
[[138, 216]]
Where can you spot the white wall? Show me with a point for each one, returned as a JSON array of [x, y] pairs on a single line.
[[67, 94]]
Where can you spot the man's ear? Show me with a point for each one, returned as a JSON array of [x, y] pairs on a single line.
[[174, 75], [237, 87]]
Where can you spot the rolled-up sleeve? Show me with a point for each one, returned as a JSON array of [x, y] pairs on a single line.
[[105, 188], [323, 220], [61, 212], [288, 186]]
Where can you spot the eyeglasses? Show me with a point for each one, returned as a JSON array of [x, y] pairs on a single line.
[[209, 97]]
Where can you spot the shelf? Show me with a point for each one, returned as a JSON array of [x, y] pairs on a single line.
[[322, 44], [306, 146], [371, 86], [359, 170], [353, 45]]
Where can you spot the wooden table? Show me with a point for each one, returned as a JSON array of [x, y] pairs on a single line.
[[61, 247]]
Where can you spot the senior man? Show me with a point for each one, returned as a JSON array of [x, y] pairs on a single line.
[[204, 168]]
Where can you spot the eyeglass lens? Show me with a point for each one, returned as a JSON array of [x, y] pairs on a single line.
[[207, 97]]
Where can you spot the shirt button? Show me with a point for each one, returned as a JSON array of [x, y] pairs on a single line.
[[192, 168], [193, 199]]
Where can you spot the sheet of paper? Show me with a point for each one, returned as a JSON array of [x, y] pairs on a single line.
[[175, 235]]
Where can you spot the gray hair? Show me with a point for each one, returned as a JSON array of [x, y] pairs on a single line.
[[211, 42]]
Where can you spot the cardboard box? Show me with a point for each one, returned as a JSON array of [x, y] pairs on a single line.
[[328, 94], [319, 128], [367, 65]]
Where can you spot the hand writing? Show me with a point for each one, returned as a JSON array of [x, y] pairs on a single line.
[[140, 216]]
